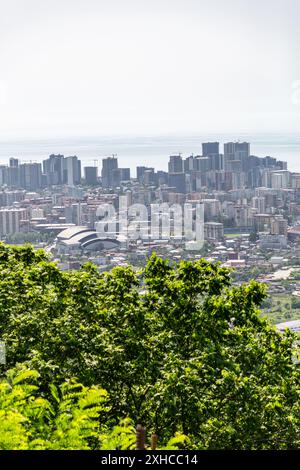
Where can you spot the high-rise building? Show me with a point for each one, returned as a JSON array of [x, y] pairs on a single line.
[[31, 176], [216, 162], [119, 175], [269, 162], [242, 149], [141, 172], [279, 226], [13, 162], [108, 165], [189, 164], [210, 148], [212, 208], [175, 164], [3, 175], [8, 198], [178, 181], [162, 178], [13, 173], [213, 231], [124, 174], [53, 169], [74, 213], [281, 165], [259, 203], [237, 151], [10, 220], [72, 171], [91, 175], [149, 176], [280, 179], [202, 164]]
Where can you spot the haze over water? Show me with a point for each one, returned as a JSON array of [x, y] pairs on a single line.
[[152, 151]]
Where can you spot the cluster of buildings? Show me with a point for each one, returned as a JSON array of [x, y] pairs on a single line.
[[54, 171], [241, 194]]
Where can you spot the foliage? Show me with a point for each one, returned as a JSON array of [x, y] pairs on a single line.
[[280, 308], [177, 347], [121, 437], [68, 420], [29, 237], [245, 275], [253, 237]]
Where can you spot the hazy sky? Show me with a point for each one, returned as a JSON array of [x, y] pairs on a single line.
[[94, 67]]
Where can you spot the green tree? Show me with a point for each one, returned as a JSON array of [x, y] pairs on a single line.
[[175, 345], [253, 237], [69, 420], [29, 237], [295, 302]]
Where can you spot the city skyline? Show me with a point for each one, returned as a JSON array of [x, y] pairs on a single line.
[[148, 150], [234, 161]]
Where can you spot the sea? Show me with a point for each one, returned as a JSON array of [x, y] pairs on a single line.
[[147, 150]]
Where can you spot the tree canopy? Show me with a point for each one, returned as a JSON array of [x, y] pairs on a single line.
[[176, 347]]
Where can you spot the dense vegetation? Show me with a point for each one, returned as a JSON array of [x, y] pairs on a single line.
[[174, 347], [280, 308], [19, 238]]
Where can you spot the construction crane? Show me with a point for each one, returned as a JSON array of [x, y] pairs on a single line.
[[96, 162]]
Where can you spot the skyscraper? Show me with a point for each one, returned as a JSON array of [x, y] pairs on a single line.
[[189, 164], [72, 171], [53, 169], [13, 173], [210, 148], [216, 162], [237, 151], [141, 171], [31, 176], [119, 175], [175, 164], [91, 175], [13, 162], [178, 181], [10, 220], [108, 165]]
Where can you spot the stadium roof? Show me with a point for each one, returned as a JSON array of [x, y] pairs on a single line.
[[79, 237], [85, 238], [72, 232]]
